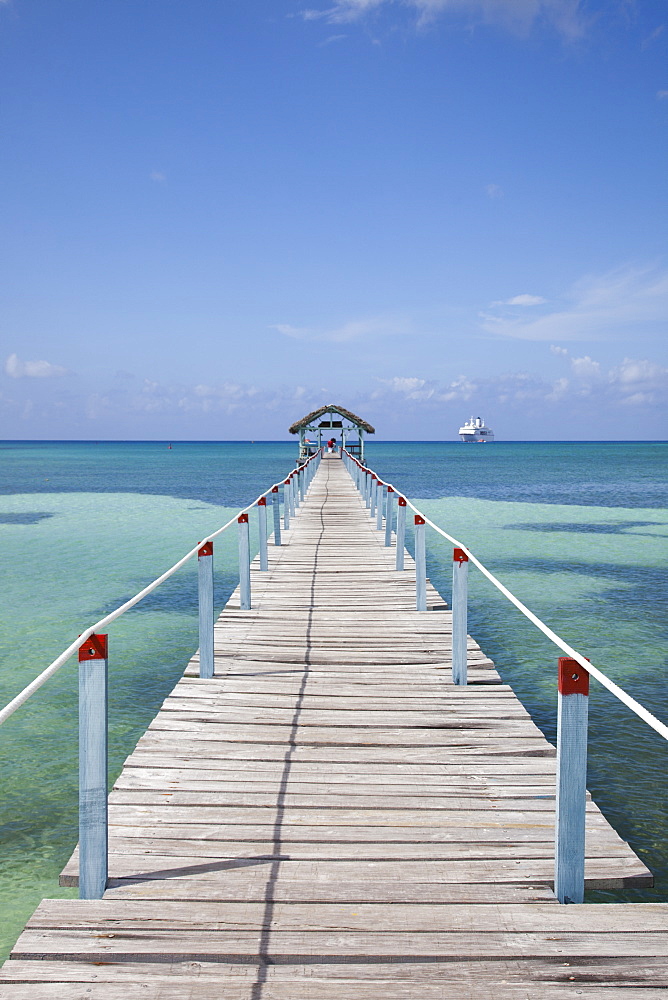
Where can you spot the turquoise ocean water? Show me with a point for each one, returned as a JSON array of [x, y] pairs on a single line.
[[577, 531]]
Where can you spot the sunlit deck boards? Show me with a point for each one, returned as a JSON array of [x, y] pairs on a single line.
[[269, 816]]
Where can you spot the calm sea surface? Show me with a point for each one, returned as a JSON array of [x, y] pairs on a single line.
[[577, 531]]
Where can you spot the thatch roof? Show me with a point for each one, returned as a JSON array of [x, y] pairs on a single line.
[[310, 417]]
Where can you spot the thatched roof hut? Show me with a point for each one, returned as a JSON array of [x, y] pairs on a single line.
[[310, 418], [315, 422]]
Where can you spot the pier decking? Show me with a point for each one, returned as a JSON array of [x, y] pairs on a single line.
[[330, 817]]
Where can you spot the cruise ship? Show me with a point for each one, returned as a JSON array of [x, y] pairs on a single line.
[[474, 430]]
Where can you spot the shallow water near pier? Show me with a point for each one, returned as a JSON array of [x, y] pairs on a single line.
[[577, 531]]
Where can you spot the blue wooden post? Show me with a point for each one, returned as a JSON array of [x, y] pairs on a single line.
[[389, 516], [401, 531], [381, 498], [294, 492], [460, 572], [205, 596], [569, 857], [300, 482], [262, 530], [367, 489], [374, 496], [244, 563], [276, 504], [93, 836], [420, 564], [286, 504]]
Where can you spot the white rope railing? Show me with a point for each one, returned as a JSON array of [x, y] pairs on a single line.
[[53, 667], [605, 681]]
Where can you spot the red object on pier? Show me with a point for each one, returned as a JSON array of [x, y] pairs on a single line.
[[206, 550], [573, 677], [94, 648], [242, 519], [459, 556], [419, 519]]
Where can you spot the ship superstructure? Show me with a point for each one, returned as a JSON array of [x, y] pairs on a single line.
[[475, 431]]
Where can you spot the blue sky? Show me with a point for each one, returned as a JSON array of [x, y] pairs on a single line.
[[218, 215]]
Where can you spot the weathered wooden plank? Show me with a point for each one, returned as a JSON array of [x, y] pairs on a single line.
[[395, 862], [121, 945]]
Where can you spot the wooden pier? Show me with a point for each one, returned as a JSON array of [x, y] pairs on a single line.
[[330, 817]]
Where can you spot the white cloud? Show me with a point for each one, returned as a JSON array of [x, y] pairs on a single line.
[[461, 388], [559, 390], [632, 383], [522, 300], [518, 15], [560, 351], [353, 330], [493, 191], [16, 368], [158, 176], [410, 387], [662, 95], [585, 367], [624, 302]]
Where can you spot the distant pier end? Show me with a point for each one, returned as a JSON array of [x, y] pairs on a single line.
[[333, 420]]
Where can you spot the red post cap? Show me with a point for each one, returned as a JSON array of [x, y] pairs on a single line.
[[402, 501], [206, 550], [390, 489], [274, 489], [94, 648], [242, 519], [262, 502], [419, 519], [459, 556], [573, 678]]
